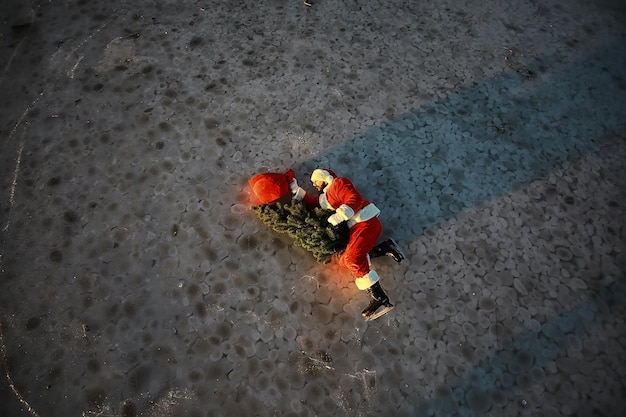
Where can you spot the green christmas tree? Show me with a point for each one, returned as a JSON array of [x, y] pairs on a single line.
[[309, 229]]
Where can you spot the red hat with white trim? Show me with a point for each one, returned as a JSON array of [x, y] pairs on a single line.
[[323, 175]]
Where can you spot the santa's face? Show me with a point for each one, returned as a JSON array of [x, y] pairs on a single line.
[[319, 185]]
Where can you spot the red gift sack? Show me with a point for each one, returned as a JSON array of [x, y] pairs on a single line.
[[270, 187]]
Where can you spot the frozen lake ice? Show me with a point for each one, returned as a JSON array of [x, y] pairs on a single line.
[[137, 282]]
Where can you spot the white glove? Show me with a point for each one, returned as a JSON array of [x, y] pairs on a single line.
[[335, 219], [297, 192], [343, 213]]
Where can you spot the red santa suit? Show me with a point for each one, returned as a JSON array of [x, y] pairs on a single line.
[[361, 216]]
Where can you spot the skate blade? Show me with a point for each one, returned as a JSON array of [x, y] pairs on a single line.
[[384, 310]]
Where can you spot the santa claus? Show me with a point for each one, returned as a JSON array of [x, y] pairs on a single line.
[[341, 196]]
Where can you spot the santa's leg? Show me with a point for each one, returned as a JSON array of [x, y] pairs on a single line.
[[363, 236]]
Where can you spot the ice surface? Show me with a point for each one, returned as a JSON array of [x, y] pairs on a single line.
[[136, 281]]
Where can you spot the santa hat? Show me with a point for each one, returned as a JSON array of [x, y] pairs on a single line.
[[323, 175], [270, 187]]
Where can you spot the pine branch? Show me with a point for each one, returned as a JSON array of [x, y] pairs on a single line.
[[309, 229]]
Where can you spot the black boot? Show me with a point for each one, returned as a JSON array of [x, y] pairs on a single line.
[[390, 248], [379, 303]]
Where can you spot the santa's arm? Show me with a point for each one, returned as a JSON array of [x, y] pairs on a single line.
[[350, 199], [311, 201], [299, 194]]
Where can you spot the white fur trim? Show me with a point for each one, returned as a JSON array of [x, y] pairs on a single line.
[[368, 212], [367, 280], [323, 201]]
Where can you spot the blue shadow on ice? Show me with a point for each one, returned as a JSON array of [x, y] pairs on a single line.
[[484, 141], [478, 144], [506, 374]]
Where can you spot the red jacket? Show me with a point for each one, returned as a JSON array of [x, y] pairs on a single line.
[[340, 192]]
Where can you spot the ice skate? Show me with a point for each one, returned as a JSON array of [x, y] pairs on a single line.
[[379, 304], [389, 248]]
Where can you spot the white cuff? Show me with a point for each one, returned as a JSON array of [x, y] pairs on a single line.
[[367, 280]]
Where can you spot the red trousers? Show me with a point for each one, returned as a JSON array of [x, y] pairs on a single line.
[[363, 237]]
